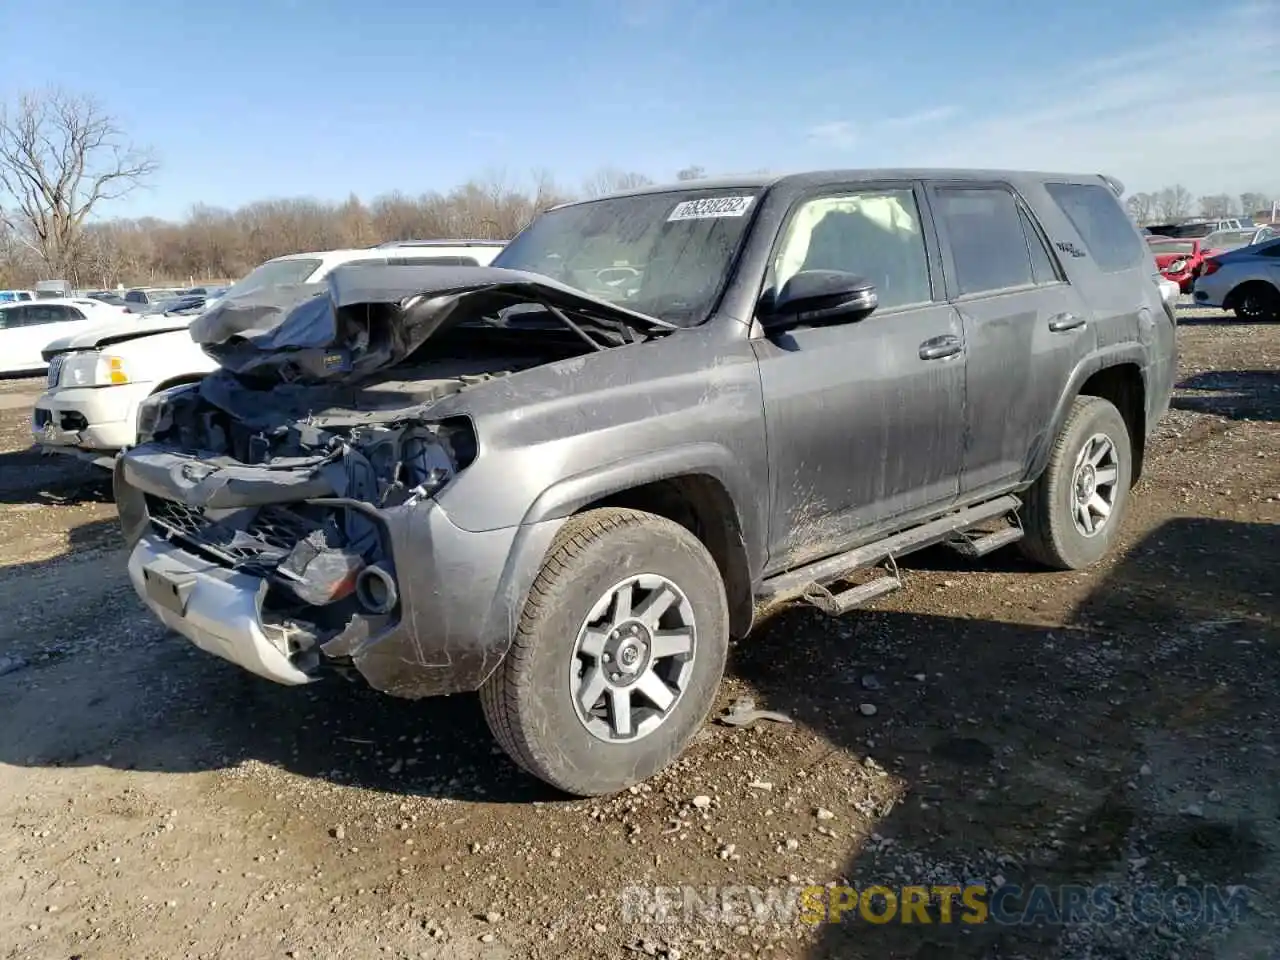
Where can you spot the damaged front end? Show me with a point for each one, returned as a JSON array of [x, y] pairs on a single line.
[[281, 511]]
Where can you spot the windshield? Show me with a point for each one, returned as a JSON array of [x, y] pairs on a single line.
[[271, 273], [1172, 246], [662, 254]]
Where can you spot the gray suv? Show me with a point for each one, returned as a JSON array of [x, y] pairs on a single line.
[[568, 479]]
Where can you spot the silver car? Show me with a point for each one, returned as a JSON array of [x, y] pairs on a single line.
[[1245, 280]]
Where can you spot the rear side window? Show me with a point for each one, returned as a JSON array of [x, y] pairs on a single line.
[[985, 237], [12, 317], [1105, 228]]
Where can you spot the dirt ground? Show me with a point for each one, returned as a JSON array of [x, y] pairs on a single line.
[[990, 724]]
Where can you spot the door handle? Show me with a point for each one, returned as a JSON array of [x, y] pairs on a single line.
[[939, 348], [1063, 322]]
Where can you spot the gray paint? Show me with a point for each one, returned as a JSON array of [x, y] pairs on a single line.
[[821, 439]]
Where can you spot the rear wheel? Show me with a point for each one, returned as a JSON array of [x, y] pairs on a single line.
[[1256, 301], [618, 655], [1073, 511]]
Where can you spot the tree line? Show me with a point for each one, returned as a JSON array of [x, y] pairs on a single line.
[[1176, 202], [63, 156]]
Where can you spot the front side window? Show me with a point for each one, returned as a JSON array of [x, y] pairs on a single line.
[[667, 255], [873, 234], [985, 235], [1105, 228]]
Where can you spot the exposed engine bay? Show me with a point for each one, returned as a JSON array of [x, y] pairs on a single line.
[[283, 463]]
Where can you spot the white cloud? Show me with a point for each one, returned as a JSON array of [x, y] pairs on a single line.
[[1158, 114], [921, 119], [843, 134]]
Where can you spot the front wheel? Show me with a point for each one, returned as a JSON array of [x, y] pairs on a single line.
[[618, 656], [1074, 509]]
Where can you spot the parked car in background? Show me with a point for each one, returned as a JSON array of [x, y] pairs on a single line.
[[1245, 281], [1178, 260], [568, 485], [108, 296], [139, 298], [98, 379], [1197, 227], [1221, 241], [15, 296], [209, 293], [26, 326]]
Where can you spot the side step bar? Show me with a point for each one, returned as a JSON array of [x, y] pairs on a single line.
[[979, 545], [802, 581]]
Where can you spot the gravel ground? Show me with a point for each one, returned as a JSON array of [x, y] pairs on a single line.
[[990, 724]]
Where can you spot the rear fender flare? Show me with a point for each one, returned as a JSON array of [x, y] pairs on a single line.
[[1098, 360]]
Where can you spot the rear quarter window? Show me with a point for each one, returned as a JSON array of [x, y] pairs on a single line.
[[1105, 228]]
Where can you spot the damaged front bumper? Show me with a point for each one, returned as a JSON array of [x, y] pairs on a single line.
[[454, 595]]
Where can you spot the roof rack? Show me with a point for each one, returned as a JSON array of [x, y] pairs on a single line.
[[440, 243]]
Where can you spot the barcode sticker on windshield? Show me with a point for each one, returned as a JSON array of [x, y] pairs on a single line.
[[710, 208]]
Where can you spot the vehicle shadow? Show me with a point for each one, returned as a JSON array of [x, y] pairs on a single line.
[[89, 677], [1235, 394], [31, 476], [1078, 754]]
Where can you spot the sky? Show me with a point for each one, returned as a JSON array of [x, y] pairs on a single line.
[[245, 100]]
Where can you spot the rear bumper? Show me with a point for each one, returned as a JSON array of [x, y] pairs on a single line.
[[1211, 291]]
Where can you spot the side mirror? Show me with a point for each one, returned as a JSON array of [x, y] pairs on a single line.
[[821, 296]]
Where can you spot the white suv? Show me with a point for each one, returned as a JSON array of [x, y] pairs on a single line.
[[97, 379]]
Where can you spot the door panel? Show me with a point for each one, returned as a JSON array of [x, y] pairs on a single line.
[[1025, 328], [864, 419]]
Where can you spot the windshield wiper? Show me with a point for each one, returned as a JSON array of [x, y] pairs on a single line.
[[564, 318]]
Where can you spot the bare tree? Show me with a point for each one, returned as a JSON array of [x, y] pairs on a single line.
[[1173, 202], [1217, 205], [1142, 207], [691, 173], [60, 156], [1252, 202], [611, 180]]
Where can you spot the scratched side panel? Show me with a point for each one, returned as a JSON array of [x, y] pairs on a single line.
[[698, 388], [861, 429]]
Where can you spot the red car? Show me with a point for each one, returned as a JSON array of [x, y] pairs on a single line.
[[1180, 259]]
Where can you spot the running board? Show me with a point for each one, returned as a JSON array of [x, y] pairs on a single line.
[[979, 545], [798, 582], [840, 603]]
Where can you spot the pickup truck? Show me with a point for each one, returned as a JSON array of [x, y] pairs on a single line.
[[566, 480]]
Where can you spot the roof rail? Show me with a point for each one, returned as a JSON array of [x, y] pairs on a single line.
[[1116, 186], [439, 243]]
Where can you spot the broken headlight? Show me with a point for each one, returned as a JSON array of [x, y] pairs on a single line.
[[156, 412], [416, 460]]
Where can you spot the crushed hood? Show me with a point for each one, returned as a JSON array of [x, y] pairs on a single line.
[[364, 318], [129, 327]]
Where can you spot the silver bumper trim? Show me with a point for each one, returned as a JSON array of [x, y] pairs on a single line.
[[217, 609]]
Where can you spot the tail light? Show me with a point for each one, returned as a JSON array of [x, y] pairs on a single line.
[[1210, 266]]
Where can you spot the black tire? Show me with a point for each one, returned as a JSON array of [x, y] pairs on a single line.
[[1053, 537], [529, 702], [1256, 301]]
